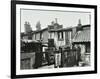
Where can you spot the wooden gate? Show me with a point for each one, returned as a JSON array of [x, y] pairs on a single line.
[[70, 57]]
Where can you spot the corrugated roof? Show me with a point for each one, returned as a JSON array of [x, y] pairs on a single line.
[[27, 55], [82, 36]]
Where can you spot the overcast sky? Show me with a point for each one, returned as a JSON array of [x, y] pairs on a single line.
[[65, 18]]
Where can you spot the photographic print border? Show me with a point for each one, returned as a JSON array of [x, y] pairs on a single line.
[[13, 38]]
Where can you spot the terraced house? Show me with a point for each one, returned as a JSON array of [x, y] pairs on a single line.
[[55, 36], [61, 36]]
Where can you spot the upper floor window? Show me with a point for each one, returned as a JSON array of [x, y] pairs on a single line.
[[60, 35], [40, 35]]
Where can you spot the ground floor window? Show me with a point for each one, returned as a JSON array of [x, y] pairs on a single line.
[[88, 48]]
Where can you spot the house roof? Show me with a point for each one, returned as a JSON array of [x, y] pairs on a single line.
[[61, 29], [82, 36], [68, 28], [27, 55], [88, 25], [26, 34], [38, 31]]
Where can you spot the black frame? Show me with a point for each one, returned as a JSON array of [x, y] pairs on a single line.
[[13, 38]]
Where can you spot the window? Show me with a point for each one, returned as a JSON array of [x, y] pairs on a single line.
[[66, 37], [60, 35], [40, 35], [88, 48]]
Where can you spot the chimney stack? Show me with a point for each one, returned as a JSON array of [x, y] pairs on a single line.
[[79, 22], [27, 27], [56, 20]]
